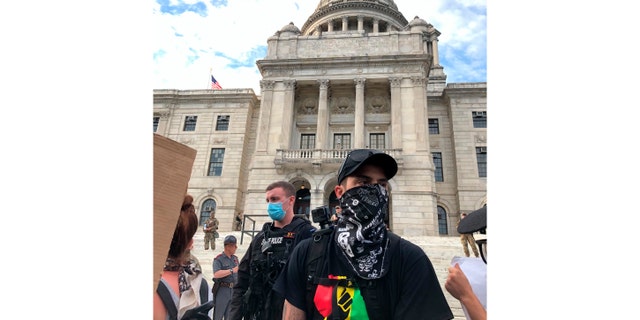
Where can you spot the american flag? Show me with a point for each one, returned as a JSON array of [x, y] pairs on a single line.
[[215, 85]]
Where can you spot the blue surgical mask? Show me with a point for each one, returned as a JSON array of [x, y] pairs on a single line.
[[275, 211]]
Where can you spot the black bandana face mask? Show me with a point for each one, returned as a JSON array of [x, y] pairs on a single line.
[[361, 233]]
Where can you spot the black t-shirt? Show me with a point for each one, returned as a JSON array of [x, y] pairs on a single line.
[[411, 287]]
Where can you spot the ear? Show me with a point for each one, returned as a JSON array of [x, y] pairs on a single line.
[[339, 191]]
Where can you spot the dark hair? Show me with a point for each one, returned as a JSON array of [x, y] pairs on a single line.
[[288, 188], [186, 228]]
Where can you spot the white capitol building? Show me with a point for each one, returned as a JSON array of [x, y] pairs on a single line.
[[357, 74]]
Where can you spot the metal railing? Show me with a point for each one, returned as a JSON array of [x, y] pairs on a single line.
[[253, 230]]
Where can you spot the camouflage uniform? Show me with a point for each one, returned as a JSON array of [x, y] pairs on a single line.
[[210, 233], [468, 239]]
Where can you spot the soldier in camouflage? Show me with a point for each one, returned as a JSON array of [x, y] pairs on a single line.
[[210, 232], [468, 239]]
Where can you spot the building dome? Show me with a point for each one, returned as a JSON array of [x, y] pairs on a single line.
[[290, 28], [324, 3], [418, 23], [330, 10]]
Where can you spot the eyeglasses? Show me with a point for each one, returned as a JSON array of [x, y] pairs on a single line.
[[482, 244]]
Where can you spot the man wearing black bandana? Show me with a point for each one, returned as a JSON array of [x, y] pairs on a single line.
[[367, 271]]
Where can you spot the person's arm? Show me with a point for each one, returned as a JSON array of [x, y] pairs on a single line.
[[217, 266], [290, 312], [219, 272], [159, 311], [459, 287], [223, 273]]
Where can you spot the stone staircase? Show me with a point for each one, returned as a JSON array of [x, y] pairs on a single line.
[[440, 251]]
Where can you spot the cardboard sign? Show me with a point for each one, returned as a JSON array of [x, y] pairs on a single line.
[[172, 165]]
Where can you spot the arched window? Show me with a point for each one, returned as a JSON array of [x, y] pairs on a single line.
[[208, 206], [442, 221], [303, 202]]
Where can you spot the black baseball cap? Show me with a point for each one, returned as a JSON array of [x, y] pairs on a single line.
[[356, 158], [474, 221], [230, 239]]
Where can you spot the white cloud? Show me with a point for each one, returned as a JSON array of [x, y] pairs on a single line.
[[226, 38]]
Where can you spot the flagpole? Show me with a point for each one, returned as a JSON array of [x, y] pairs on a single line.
[[210, 74]]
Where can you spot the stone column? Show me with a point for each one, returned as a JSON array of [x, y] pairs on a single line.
[[358, 129], [396, 113], [317, 198], [345, 23], [164, 124], [266, 87], [287, 114], [330, 26], [420, 109], [323, 115], [376, 25], [434, 45], [360, 23]]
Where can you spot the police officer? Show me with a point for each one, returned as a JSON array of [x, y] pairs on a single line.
[[210, 231], [253, 297], [225, 276]]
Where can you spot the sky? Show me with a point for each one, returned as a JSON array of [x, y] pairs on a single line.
[[226, 37]]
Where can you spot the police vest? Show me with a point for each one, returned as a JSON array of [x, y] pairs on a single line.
[[269, 256]]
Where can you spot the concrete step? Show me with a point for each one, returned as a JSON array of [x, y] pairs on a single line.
[[440, 251]]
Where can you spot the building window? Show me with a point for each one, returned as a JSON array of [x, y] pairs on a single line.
[[223, 123], [479, 119], [481, 155], [208, 208], [437, 163], [376, 141], [156, 120], [190, 123], [307, 142], [434, 126], [342, 141], [215, 163], [442, 221]]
